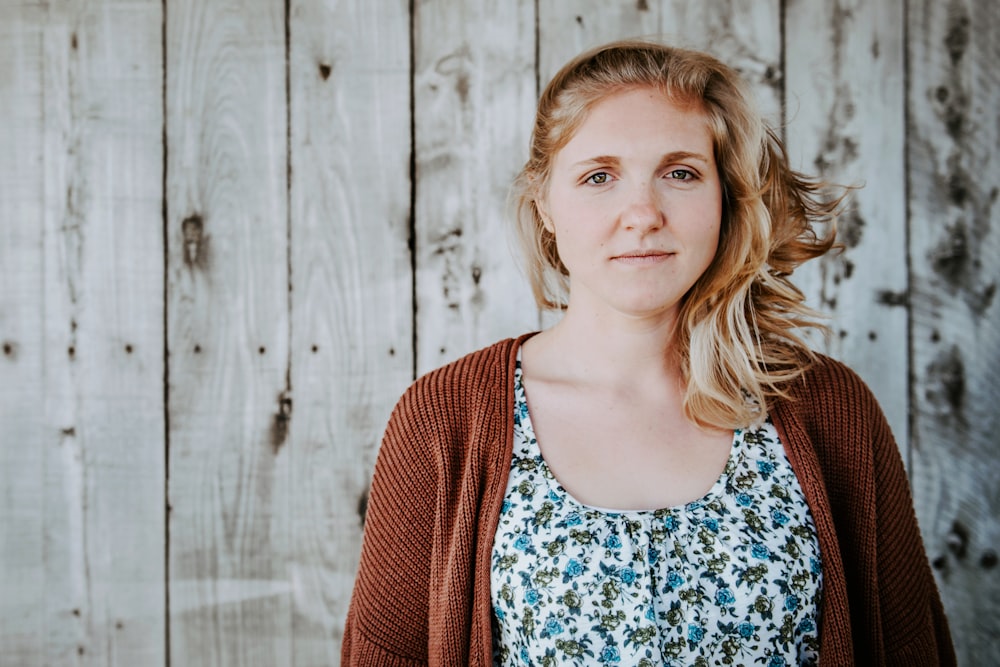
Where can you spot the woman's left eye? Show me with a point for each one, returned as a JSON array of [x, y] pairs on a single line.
[[600, 178], [681, 174]]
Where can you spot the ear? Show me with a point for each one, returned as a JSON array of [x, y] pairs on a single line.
[[546, 218]]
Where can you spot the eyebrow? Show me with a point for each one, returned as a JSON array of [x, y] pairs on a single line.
[[668, 159]]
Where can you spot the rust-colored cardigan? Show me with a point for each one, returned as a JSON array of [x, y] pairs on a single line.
[[422, 595]]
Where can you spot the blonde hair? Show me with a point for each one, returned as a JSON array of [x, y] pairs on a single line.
[[735, 340]]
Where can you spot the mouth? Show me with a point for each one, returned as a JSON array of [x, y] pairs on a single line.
[[643, 257]]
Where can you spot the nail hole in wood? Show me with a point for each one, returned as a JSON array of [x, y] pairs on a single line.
[[128, 349], [197, 349], [261, 349], [315, 349]]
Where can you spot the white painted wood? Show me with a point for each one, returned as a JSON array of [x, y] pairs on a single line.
[[83, 474], [22, 387], [954, 177], [566, 29], [267, 494], [475, 93], [845, 107], [352, 310], [228, 328]]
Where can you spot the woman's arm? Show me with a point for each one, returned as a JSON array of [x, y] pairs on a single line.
[[387, 620], [914, 625]]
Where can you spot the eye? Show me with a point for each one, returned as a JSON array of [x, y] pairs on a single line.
[[681, 174], [598, 178]]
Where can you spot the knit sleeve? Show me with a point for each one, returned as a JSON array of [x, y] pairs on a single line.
[[914, 626], [387, 620]]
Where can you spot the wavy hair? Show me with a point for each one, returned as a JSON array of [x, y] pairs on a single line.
[[735, 340]]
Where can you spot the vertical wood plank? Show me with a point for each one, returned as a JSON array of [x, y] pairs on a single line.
[[474, 95], [84, 221], [954, 179], [844, 68], [228, 324], [567, 29], [22, 388], [352, 311]]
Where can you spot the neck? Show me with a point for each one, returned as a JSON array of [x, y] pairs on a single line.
[[616, 350]]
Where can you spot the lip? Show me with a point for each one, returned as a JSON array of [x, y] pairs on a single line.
[[641, 257]]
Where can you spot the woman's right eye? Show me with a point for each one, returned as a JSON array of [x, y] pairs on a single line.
[[599, 178]]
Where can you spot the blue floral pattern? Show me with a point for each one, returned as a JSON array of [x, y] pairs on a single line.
[[733, 578]]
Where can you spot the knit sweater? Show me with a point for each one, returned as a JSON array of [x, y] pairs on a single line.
[[422, 593]]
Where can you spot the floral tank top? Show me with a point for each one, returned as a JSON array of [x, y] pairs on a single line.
[[733, 578]]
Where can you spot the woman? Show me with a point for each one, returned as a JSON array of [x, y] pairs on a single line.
[[667, 475]]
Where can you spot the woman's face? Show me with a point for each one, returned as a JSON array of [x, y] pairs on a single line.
[[635, 202]]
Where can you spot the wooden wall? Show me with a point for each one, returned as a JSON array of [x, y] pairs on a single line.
[[232, 232]]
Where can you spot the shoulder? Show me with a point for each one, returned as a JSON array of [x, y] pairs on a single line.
[[830, 410], [462, 390], [829, 385]]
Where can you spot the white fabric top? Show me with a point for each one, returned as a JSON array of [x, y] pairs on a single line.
[[731, 578]]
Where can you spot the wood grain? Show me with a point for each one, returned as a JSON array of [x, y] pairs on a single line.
[[567, 29], [474, 90], [22, 387], [953, 142], [293, 322], [844, 68], [352, 311], [82, 333], [228, 330]]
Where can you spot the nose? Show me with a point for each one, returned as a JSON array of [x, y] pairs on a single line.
[[642, 212]]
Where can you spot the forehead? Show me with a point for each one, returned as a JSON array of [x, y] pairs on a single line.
[[640, 118]]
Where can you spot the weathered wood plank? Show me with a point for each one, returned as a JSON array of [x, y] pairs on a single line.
[[954, 176], [352, 311], [567, 29], [228, 328], [22, 388], [844, 67], [474, 95], [82, 315]]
